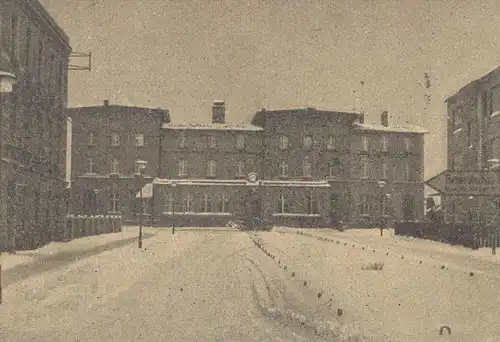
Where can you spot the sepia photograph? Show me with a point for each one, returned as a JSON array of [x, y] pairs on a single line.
[[249, 170]]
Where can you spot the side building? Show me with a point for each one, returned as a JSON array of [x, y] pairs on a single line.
[[107, 142], [32, 125], [473, 142]]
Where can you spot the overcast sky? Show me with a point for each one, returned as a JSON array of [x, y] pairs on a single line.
[[182, 54]]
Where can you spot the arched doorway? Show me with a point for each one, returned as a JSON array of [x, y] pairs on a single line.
[[252, 210]]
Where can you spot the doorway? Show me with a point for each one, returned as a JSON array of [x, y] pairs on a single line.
[[253, 209], [408, 208], [334, 210]]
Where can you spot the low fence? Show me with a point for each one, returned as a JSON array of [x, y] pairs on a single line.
[[78, 226], [456, 234]]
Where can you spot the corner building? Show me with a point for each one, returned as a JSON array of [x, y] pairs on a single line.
[[473, 140], [313, 168], [32, 125]]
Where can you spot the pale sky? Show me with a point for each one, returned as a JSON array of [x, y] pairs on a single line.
[[182, 54]]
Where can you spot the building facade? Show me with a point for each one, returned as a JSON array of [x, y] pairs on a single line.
[[32, 124], [296, 167], [107, 141], [473, 140], [312, 168]]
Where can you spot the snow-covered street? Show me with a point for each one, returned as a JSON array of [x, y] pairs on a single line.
[[228, 285]]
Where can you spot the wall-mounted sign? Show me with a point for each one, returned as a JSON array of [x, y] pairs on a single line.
[[466, 183]]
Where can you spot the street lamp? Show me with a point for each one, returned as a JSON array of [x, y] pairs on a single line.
[[174, 195], [7, 80], [141, 168], [381, 185]]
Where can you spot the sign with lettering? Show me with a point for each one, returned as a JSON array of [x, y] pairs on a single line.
[[466, 183]]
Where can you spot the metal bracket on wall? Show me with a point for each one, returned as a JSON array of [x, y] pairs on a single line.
[[80, 55]]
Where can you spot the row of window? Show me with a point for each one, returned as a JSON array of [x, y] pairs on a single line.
[[334, 169], [115, 139], [114, 167], [368, 203], [307, 142]]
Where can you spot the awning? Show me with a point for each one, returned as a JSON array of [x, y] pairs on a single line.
[[147, 191]]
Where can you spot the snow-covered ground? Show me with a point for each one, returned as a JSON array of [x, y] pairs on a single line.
[[220, 285]]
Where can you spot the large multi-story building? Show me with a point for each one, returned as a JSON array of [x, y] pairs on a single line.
[[473, 140], [107, 141], [303, 167], [32, 124]]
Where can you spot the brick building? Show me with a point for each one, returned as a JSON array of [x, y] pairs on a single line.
[[32, 125], [107, 141], [313, 168], [473, 140]]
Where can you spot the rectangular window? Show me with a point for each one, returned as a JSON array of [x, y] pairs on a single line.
[[283, 169], [169, 202], [115, 139], [332, 143], [208, 204], [385, 143], [182, 140], [212, 141], [90, 139], [139, 140], [211, 168], [115, 166], [114, 202], [182, 168], [407, 142], [407, 171], [365, 143], [90, 165], [307, 142], [13, 37], [310, 203], [223, 204], [240, 141], [456, 118], [365, 168], [307, 169], [364, 205], [385, 171], [283, 205], [188, 203], [240, 169], [283, 142], [27, 57]]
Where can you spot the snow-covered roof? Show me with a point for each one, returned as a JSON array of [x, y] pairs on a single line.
[[396, 129], [217, 127]]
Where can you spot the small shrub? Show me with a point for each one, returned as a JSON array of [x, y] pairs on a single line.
[[376, 266]]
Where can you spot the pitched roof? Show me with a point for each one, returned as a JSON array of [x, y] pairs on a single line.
[[302, 111], [475, 83], [76, 111], [395, 129], [215, 127]]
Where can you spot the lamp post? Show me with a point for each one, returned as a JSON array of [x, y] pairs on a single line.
[[174, 197], [141, 168], [7, 81], [381, 185]]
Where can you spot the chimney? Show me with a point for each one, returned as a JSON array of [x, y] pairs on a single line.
[[105, 103], [218, 112], [384, 118], [361, 118]]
